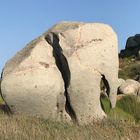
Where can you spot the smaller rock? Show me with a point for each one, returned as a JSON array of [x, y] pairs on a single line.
[[130, 87], [132, 47], [120, 82]]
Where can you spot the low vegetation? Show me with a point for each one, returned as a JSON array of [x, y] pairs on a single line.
[[127, 109], [129, 68], [122, 123]]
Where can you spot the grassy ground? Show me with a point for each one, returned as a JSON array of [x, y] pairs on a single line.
[[26, 128], [129, 68], [122, 124], [127, 109]]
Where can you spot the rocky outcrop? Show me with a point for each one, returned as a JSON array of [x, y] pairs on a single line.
[[132, 47], [130, 87], [58, 75]]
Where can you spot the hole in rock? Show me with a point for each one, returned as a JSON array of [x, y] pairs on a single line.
[[105, 91]]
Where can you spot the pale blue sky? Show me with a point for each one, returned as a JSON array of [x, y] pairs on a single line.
[[23, 20]]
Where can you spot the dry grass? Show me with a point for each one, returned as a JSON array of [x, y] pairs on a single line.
[[120, 125], [28, 128]]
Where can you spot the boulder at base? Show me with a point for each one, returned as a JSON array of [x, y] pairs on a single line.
[[79, 53], [130, 87], [120, 82]]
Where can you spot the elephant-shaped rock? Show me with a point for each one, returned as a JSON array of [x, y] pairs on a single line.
[[58, 75]]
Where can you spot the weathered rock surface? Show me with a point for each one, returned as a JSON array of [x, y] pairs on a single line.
[[130, 87], [32, 83], [84, 54], [91, 52], [120, 82]]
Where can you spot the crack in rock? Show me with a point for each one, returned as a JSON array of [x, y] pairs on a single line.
[[63, 67]]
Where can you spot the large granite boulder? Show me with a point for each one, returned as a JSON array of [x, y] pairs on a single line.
[[130, 87], [84, 53]]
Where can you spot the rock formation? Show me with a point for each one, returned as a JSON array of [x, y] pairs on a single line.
[[120, 82], [130, 87], [132, 47], [58, 75]]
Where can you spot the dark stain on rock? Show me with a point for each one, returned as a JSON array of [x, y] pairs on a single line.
[[96, 40], [44, 64]]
